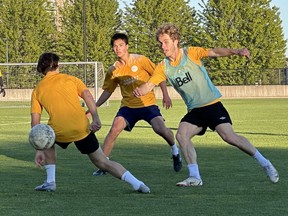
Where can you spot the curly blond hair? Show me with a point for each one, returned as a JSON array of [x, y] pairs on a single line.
[[169, 29]]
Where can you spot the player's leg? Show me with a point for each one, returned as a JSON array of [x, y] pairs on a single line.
[[90, 146], [50, 167], [226, 132], [185, 133], [117, 170], [117, 127], [160, 128]]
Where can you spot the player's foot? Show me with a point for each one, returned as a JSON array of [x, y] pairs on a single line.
[[50, 187], [191, 181], [143, 189], [271, 172], [99, 172], [177, 162]]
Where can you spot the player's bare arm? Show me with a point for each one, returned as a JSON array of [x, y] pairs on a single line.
[[103, 98], [166, 101], [35, 119], [143, 89], [221, 52], [89, 100]]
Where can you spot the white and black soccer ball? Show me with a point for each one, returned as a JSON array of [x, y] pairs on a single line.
[[41, 137]]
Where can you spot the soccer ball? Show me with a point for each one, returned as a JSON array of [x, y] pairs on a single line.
[[41, 137]]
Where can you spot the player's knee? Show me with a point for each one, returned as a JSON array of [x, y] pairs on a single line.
[[179, 137]]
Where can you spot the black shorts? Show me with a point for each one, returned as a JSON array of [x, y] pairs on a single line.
[[208, 116], [86, 146]]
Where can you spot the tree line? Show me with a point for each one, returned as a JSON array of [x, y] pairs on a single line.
[[81, 30]]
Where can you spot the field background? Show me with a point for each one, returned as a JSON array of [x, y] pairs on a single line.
[[233, 183]]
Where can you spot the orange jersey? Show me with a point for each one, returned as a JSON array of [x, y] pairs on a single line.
[[59, 95], [195, 54], [134, 73]]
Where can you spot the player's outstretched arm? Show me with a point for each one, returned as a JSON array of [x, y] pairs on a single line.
[[103, 98], [221, 52]]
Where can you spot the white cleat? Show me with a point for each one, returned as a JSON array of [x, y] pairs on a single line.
[[271, 172], [143, 189], [191, 181]]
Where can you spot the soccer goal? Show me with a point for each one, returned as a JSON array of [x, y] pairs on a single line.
[[23, 76]]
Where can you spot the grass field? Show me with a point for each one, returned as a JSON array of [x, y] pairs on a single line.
[[233, 183]]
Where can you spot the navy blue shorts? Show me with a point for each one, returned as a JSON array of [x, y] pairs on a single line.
[[208, 116], [133, 115], [86, 146]]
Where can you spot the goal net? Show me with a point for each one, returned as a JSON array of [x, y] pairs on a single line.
[[20, 78]]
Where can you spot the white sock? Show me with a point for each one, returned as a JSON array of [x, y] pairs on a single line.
[[174, 150], [50, 171], [134, 182], [260, 159], [194, 171]]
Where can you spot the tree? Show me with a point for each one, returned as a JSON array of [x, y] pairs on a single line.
[[29, 28], [235, 24], [102, 18], [142, 19]]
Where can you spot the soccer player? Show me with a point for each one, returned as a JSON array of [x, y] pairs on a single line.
[[129, 72], [2, 90], [59, 95], [186, 73]]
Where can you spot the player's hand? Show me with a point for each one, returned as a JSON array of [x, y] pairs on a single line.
[[137, 92], [95, 125], [244, 52], [167, 102], [39, 158]]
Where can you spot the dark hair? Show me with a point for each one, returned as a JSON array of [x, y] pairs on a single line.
[[47, 62], [117, 36]]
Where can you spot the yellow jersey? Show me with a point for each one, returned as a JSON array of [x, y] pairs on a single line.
[[137, 70], [59, 95]]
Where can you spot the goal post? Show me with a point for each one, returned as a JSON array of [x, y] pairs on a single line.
[[17, 76]]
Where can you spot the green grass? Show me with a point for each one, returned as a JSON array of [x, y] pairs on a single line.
[[233, 183]]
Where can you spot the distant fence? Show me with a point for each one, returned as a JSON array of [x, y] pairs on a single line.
[[257, 91]]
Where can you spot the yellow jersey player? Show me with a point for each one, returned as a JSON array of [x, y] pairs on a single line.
[[59, 95]]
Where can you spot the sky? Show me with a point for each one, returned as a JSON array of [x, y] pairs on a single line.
[[278, 3]]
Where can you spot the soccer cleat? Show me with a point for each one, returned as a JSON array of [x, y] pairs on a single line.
[[143, 189], [99, 172], [191, 181], [271, 172], [50, 187], [177, 162]]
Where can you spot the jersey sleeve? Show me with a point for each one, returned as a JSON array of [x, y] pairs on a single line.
[[148, 65], [110, 84], [80, 85], [159, 74], [35, 105], [197, 53]]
